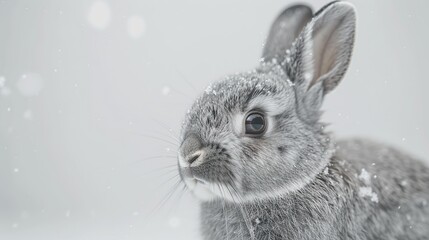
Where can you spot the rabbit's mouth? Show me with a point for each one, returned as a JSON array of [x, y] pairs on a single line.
[[199, 187], [204, 189], [199, 180]]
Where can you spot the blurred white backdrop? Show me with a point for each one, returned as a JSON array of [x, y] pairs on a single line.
[[91, 93]]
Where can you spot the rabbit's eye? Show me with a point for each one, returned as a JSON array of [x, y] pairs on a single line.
[[255, 124]]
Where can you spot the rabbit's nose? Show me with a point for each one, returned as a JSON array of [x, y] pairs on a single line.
[[191, 154], [195, 158]]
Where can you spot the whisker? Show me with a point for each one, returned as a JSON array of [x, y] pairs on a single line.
[[165, 199], [178, 198], [243, 209], [170, 136], [224, 211], [182, 192], [159, 139], [168, 180], [181, 93], [164, 171], [167, 167], [168, 128], [169, 157], [186, 80]]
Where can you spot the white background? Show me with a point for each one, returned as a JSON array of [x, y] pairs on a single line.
[[87, 88]]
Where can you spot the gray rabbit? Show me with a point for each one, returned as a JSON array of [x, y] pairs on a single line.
[[255, 154]]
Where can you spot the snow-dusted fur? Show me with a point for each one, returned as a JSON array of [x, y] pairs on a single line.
[[295, 181]]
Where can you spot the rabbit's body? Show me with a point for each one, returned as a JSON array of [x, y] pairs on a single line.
[[367, 191], [254, 151]]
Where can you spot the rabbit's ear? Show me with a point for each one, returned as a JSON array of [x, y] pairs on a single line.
[[321, 54], [284, 31]]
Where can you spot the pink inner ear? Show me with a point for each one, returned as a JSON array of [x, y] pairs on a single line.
[[329, 37], [324, 50]]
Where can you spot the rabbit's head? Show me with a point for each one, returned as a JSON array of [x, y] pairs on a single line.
[[257, 134]]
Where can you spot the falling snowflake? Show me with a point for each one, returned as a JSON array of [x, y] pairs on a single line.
[[2, 80], [174, 222], [28, 114], [136, 26], [165, 90], [5, 91], [99, 15], [30, 84]]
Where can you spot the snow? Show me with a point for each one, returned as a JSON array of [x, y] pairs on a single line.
[[208, 89], [24, 215], [28, 114], [364, 176], [16, 170], [174, 222], [165, 90], [2, 80], [326, 171], [5, 91], [367, 192], [307, 76], [99, 15], [30, 84], [136, 26]]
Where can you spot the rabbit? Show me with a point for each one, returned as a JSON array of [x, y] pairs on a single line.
[[255, 154]]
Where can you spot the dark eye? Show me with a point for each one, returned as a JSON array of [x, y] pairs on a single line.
[[255, 124]]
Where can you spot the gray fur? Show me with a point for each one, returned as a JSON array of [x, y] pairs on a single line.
[[285, 29], [295, 182]]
